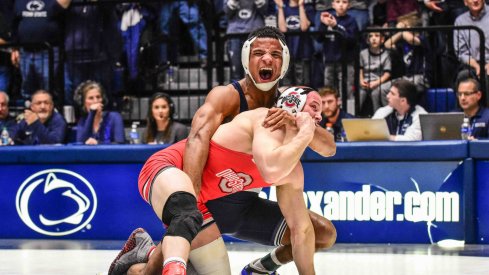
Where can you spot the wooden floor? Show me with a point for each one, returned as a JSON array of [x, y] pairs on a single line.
[[94, 257]]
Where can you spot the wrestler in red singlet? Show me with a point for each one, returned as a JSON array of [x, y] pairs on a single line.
[[226, 172]]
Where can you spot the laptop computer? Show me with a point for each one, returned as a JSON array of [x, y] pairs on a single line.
[[365, 129], [441, 126]]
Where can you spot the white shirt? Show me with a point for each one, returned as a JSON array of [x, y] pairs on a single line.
[[413, 131]]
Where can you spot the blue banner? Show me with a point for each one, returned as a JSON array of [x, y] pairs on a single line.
[[76, 201], [388, 202], [481, 194], [368, 202]]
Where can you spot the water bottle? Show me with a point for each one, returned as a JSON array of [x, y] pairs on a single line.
[[465, 130], [329, 128], [134, 134], [343, 136], [5, 136]]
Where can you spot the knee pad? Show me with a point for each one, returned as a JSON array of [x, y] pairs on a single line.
[[182, 216]]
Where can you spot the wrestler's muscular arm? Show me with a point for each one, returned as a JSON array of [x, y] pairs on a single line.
[[277, 153], [292, 205], [323, 142], [220, 103]]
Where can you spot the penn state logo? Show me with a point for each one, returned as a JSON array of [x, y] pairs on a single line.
[[35, 5], [244, 14], [56, 202], [232, 182], [293, 22]]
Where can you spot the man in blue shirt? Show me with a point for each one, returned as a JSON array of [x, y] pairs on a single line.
[[243, 16], [36, 23], [469, 99], [341, 22], [41, 125], [332, 112]]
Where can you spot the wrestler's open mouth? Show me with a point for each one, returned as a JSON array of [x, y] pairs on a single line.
[[266, 73]]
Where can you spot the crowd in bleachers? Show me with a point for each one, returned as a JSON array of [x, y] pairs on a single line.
[[358, 48]]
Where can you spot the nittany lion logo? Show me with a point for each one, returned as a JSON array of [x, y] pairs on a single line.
[[244, 13], [232, 182], [293, 22], [35, 5], [56, 202]]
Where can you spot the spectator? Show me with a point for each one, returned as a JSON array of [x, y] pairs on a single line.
[[92, 44], [295, 17], [188, 12], [469, 99], [345, 24], [399, 8], [41, 124], [358, 9], [467, 42], [5, 119], [444, 13], [414, 50], [402, 113], [244, 16], [97, 126], [161, 127], [37, 23], [375, 68], [332, 112], [5, 66]]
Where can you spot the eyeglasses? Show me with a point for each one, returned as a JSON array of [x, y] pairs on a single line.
[[460, 94]]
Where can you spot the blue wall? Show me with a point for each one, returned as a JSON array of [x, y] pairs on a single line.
[[374, 192]]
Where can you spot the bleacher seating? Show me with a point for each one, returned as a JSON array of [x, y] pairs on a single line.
[[440, 100]]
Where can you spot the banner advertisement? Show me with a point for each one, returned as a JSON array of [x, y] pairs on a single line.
[[76, 201], [481, 195], [387, 202], [368, 202]]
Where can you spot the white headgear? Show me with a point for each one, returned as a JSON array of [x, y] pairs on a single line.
[[245, 59], [293, 99]]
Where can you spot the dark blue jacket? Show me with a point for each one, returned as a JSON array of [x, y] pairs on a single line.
[[338, 125], [111, 129], [53, 131], [480, 124], [332, 44]]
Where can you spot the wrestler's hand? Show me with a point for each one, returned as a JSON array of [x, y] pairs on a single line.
[[277, 118], [305, 123]]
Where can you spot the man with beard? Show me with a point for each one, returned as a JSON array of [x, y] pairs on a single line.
[[332, 113]]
